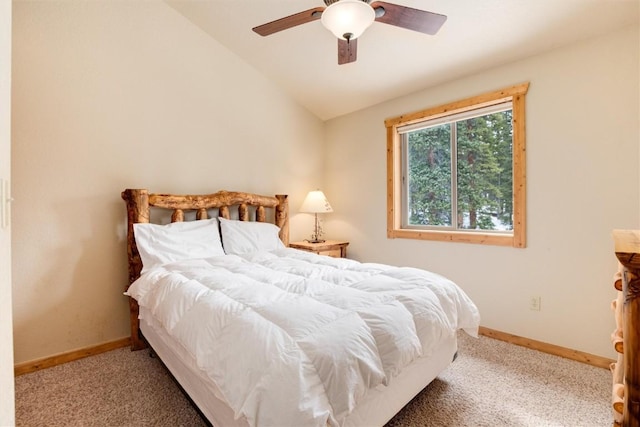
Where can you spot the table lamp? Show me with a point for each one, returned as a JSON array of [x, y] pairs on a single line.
[[316, 202]]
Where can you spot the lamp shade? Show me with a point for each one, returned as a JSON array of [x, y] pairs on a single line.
[[347, 19], [316, 202]]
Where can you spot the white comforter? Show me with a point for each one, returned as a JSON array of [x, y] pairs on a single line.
[[296, 339]]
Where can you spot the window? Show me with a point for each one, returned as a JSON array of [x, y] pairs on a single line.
[[457, 172]]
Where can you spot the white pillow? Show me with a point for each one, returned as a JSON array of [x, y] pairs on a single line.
[[241, 237], [159, 244]]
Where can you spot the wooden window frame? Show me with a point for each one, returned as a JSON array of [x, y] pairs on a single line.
[[516, 238]]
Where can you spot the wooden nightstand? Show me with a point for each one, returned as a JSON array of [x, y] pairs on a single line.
[[334, 248]]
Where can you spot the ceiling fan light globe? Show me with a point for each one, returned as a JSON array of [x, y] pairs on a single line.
[[347, 19]]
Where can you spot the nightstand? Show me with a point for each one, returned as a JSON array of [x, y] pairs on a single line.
[[333, 248]]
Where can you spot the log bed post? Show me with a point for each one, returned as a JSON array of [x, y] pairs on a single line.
[[282, 217], [137, 211], [627, 248]]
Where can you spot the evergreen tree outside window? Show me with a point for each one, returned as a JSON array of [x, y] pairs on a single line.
[[457, 171]]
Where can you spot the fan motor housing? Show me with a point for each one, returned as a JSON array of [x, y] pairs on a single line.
[[330, 2]]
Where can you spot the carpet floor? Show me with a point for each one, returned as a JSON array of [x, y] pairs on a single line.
[[492, 383]]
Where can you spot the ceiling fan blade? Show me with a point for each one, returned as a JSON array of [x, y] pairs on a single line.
[[407, 17], [289, 21], [347, 51]]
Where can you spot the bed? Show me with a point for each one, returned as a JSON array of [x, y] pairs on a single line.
[[260, 334]]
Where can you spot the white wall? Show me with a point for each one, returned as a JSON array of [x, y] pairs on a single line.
[[7, 405], [583, 180], [110, 95]]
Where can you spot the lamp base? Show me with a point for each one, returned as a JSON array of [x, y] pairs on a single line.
[[314, 241]]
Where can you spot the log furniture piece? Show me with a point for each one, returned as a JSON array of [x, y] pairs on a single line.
[[626, 337], [333, 248], [139, 203]]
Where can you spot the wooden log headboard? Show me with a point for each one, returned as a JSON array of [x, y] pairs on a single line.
[[139, 203]]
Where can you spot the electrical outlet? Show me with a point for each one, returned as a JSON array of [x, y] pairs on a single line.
[[534, 303]]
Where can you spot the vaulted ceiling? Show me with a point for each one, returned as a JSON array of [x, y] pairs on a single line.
[[392, 61]]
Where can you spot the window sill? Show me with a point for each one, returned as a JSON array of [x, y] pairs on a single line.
[[496, 239]]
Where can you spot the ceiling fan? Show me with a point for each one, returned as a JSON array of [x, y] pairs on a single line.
[[347, 20]]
